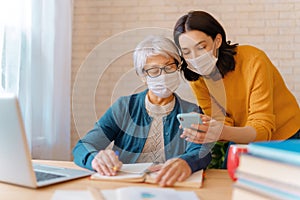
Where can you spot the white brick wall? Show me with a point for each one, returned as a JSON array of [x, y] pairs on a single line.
[[272, 25]]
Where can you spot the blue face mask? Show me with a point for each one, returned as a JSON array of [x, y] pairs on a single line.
[[164, 85], [203, 64]]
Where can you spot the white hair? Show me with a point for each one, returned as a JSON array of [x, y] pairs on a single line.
[[152, 46]]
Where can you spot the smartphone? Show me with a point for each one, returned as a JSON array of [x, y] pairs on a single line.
[[187, 119]]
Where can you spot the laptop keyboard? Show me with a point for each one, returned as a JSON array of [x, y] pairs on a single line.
[[42, 176]]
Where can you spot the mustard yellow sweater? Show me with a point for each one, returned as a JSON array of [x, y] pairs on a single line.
[[254, 94]]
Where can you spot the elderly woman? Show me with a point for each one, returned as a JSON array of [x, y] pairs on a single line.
[[143, 126]]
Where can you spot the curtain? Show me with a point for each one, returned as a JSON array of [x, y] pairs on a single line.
[[39, 71], [13, 23]]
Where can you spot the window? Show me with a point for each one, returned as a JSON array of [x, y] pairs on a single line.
[[14, 22], [35, 64]]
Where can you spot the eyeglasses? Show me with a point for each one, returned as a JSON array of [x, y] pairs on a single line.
[[155, 70]]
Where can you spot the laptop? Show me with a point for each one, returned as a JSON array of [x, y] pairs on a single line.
[[16, 165]]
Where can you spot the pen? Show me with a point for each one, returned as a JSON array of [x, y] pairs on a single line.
[[115, 168]]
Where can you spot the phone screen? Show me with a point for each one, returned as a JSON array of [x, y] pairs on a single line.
[[187, 119]]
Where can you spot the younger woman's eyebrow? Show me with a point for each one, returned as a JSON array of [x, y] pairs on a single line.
[[200, 42]]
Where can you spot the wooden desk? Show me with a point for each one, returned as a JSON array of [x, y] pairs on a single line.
[[217, 185]]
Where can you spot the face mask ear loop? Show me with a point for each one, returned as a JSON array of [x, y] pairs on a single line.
[[144, 80], [180, 64]]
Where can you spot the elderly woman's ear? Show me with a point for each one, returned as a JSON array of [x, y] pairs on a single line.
[[143, 78]]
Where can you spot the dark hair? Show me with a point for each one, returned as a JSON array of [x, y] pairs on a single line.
[[202, 21]]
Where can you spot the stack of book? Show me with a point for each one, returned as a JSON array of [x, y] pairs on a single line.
[[270, 170]]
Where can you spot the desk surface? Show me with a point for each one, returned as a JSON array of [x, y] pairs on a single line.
[[216, 185]]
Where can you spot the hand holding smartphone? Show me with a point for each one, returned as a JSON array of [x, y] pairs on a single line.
[[187, 119]]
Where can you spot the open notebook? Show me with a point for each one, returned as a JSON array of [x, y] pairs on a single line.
[[16, 166], [138, 172]]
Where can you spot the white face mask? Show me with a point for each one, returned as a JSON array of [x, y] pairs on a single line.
[[203, 64], [164, 85]]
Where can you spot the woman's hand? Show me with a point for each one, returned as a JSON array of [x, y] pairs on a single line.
[[175, 169], [209, 131], [106, 163]]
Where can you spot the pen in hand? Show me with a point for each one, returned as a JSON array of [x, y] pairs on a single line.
[[115, 168]]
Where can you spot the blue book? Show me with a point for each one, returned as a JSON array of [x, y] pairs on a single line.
[[287, 151]]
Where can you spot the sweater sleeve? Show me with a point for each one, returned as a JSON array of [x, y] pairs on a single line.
[[211, 101], [197, 156], [103, 133], [261, 115]]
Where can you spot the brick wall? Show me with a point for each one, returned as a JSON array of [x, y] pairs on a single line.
[[106, 31]]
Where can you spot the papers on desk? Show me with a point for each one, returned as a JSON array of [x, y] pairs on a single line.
[[72, 195], [142, 193], [127, 193]]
